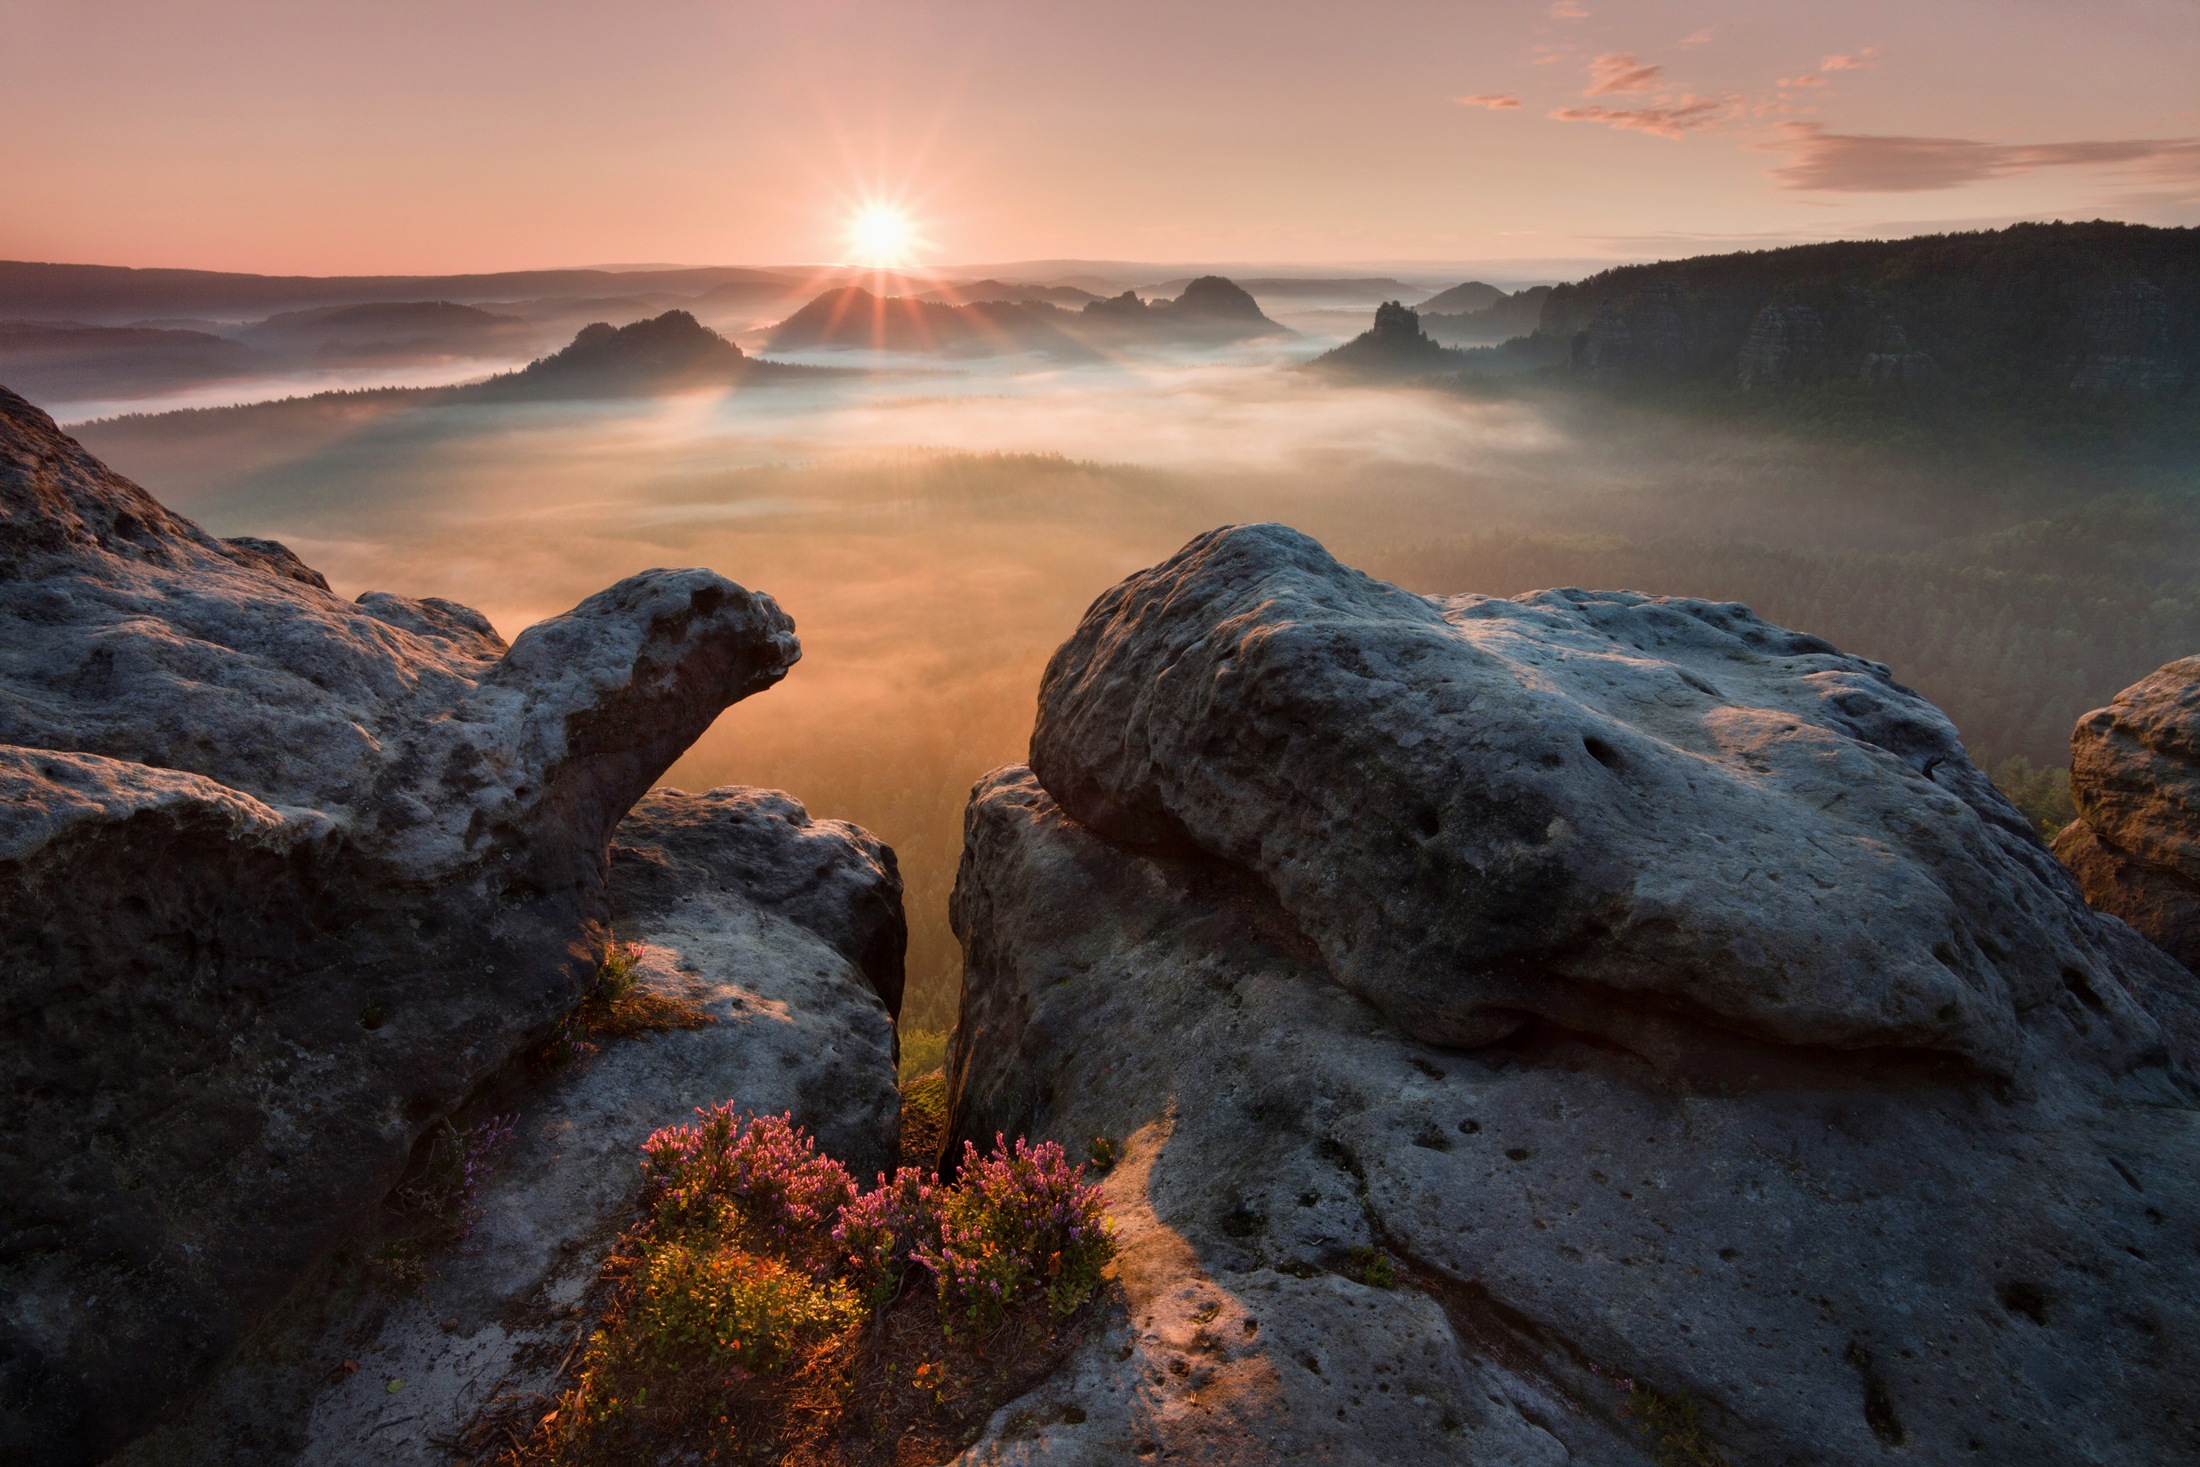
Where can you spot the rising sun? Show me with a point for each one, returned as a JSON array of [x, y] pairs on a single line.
[[881, 236]]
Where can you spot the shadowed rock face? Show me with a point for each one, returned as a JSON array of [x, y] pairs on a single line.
[[2135, 778], [286, 876], [783, 931], [1577, 954]]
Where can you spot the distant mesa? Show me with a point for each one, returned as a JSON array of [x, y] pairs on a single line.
[[1395, 346], [662, 354], [2011, 320], [1212, 311], [852, 318]]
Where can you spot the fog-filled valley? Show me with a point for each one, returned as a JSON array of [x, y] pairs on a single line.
[[936, 526]]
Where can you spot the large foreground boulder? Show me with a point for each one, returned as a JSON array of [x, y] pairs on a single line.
[[285, 877], [785, 935], [2135, 778], [1588, 1026]]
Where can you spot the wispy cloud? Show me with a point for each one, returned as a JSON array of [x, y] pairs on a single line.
[[1807, 79], [1568, 10], [1858, 62], [1832, 162], [1616, 73], [1701, 37], [1673, 118], [1496, 102]]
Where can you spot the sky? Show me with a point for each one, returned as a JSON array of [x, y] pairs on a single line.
[[399, 136]]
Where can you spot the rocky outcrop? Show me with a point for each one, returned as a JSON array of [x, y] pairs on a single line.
[[1652, 995], [2135, 779], [1784, 345], [286, 878], [786, 934], [1395, 346], [662, 354]]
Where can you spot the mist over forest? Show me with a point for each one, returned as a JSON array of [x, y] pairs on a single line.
[[937, 523]]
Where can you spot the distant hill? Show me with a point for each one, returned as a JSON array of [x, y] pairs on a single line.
[[2032, 320], [110, 294], [1211, 311], [1501, 320], [50, 361], [392, 333], [1295, 289], [1395, 346], [1461, 299], [662, 354], [852, 318], [969, 292]]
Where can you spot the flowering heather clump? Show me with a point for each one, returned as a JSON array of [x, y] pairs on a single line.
[[1021, 1218], [878, 1231], [768, 1175], [735, 1326]]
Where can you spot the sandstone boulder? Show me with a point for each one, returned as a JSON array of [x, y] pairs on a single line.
[[2135, 778], [1523, 1021], [786, 932], [286, 877], [1602, 809]]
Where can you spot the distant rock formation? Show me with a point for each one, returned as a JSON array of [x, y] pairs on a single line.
[[1395, 346], [1211, 311], [852, 318], [2135, 779], [785, 935], [286, 878], [1784, 345], [663, 354], [1617, 1025], [1502, 320]]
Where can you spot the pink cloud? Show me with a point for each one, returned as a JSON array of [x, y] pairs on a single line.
[[1833, 162], [1698, 39], [1805, 80], [1857, 62], [1496, 102], [1568, 10], [1615, 72], [1673, 119]]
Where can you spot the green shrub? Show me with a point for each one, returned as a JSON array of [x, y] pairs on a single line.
[[726, 1305]]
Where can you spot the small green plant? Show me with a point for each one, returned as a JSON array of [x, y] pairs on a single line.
[[615, 975], [1373, 1267], [1102, 1153], [728, 1306], [1674, 1425]]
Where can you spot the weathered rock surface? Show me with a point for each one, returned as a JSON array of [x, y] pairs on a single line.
[[1578, 952], [788, 933], [286, 877], [1602, 809], [2135, 778]]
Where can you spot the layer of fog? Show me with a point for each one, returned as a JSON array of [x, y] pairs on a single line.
[[936, 533]]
